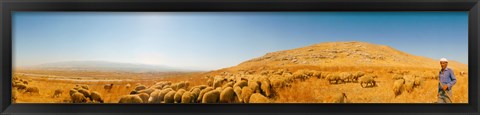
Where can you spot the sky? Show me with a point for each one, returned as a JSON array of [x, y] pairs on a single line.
[[214, 40]]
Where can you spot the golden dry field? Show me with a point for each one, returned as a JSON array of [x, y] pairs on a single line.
[[292, 76]]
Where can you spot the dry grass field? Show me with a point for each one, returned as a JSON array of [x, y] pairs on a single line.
[[327, 58]]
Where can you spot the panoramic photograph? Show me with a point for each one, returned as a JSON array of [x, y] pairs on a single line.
[[239, 57]]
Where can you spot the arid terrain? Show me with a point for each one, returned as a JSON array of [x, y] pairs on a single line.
[[302, 75]]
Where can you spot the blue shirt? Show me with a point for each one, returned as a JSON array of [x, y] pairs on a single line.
[[447, 78]]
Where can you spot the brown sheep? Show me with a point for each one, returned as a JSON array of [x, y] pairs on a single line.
[[85, 92], [187, 97], [265, 86], [84, 87], [96, 97], [219, 82], [409, 85], [238, 93], [227, 95], [169, 97], [21, 86], [108, 87], [397, 87], [140, 87], [72, 91], [334, 77], [258, 98], [254, 86], [143, 96], [368, 81], [78, 97], [162, 94], [211, 97], [32, 90], [130, 99], [241, 84], [154, 96], [200, 96], [195, 93], [418, 81], [57, 93], [246, 93], [178, 95]]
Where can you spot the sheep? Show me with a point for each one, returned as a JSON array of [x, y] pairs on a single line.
[[211, 97], [128, 86], [57, 93], [84, 87], [195, 93], [238, 93], [409, 85], [333, 77], [169, 97], [32, 90], [368, 79], [397, 86], [154, 96], [210, 82], [72, 91], [143, 96], [265, 87], [25, 82], [85, 92], [187, 97], [178, 95], [148, 91], [227, 95], [258, 98], [241, 84], [229, 84], [345, 77], [246, 93], [21, 86], [162, 94], [254, 86], [418, 81], [218, 82], [108, 87], [96, 97], [340, 98], [140, 87], [357, 75], [202, 87], [130, 99], [78, 97], [200, 96]]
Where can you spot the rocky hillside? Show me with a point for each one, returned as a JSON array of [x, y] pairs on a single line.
[[352, 54]]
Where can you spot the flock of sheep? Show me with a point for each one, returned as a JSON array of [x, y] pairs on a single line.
[[21, 86], [247, 87]]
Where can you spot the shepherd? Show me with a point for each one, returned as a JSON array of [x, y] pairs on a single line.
[[446, 81]]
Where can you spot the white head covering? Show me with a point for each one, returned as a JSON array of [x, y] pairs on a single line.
[[443, 59]]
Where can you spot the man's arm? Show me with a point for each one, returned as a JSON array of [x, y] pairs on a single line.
[[453, 80]]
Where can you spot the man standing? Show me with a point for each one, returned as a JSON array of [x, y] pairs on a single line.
[[447, 80]]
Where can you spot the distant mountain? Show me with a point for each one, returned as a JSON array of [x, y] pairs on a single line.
[[105, 66]]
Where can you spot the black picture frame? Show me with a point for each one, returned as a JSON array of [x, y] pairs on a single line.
[[9, 6]]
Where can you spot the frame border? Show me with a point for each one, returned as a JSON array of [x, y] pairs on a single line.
[[10, 6]]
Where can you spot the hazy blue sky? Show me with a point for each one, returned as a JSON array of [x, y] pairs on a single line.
[[213, 40]]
